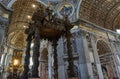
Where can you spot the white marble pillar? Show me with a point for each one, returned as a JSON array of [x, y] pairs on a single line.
[[3, 63], [50, 61], [7, 59], [23, 57], [114, 50], [96, 57], [60, 52], [85, 67], [4, 55], [87, 56], [3, 58], [118, 67]]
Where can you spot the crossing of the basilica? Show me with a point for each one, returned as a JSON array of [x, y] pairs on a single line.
[[59, 39]]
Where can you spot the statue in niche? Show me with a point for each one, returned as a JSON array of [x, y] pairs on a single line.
[[104, 70], [94, 69]]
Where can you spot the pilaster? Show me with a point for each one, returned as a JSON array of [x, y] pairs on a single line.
[[114, 57], [5, 61], [85, 67], [50, 61], [96, 57], [87, 56], [60, 52]]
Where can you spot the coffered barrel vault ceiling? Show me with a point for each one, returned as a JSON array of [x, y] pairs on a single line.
[[105, 13]]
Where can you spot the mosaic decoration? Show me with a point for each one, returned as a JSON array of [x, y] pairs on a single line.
[[65, 10]]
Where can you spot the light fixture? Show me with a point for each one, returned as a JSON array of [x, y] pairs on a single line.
[[118, 31], [31, 61], [15, 62], [33, 5], [32, 44], [29, 17], [25, 26]]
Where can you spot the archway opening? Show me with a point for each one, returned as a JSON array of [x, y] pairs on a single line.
[[106, 59], [44, 64]]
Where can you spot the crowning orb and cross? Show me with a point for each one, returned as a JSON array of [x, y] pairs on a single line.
[[45, 25]]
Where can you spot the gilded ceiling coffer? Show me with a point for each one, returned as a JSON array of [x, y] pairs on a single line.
[[46, 25]]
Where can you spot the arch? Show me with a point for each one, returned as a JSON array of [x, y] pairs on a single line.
[[104, 45], [102, 13], [105, 42], [14, 37], [78, 9], [13, 1], [44, 55], [106, 59], [44, 64]]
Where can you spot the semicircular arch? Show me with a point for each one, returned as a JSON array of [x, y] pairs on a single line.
[[15, 38], [103, 46], [13, 1]]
